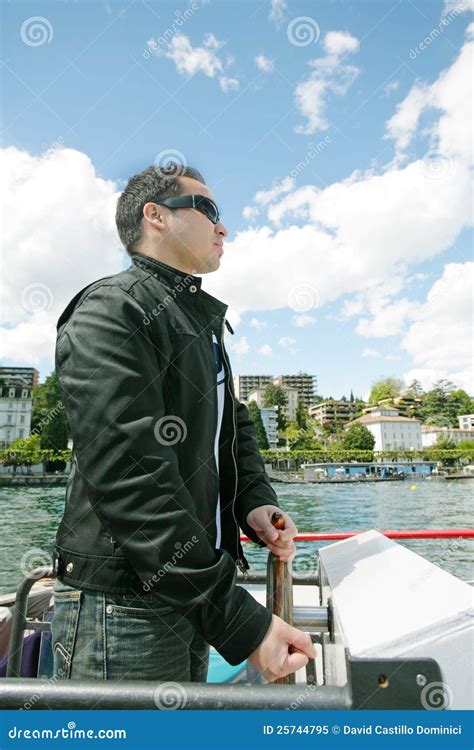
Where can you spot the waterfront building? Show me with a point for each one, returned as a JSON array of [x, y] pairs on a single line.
[[430, 434], [390, 430], [16, 407]]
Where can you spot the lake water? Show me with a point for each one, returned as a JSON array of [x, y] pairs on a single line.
[[30, 518]]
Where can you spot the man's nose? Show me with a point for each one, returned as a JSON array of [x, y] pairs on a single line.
[[221, 229]]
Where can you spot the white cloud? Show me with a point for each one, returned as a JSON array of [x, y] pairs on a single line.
[[264, 197], [340, 43], [330, 75], [264, 63], [303, 320], [389, 87], [403, 124], [450, 95], [266, 350], [190, 60], [258, 324], [388, 320], [457, 6], [440, 338], [238, 346], [228, 84], [287, 341], [28, 342], [370, 353], [277, 11], [58, 235], [250, 212]]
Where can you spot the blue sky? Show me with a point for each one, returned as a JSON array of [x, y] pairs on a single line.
[[353, 265]]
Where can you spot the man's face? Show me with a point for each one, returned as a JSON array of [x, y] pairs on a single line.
[[190, 234]]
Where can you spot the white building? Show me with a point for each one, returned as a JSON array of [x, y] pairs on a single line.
[[269, 419], [430, 435], [390, 430], [289, 410], [466, 422], [16, 406]]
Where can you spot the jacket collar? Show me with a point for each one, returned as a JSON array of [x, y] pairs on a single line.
[[172, 276], [168, 273]]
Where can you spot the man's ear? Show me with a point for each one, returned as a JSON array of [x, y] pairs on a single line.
[[152, 215]]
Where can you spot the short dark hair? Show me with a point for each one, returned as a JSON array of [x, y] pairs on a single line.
[[147, 186]]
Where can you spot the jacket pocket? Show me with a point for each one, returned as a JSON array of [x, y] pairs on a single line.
[[67, 603]]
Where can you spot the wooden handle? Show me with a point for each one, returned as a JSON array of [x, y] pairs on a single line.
[[279, 598]]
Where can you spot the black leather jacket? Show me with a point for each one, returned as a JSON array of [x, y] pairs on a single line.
[[137, 377]]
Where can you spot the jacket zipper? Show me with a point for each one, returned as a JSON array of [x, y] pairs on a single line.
[[240, 561]]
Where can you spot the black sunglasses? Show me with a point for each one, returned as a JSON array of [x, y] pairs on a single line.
[[201, 202]]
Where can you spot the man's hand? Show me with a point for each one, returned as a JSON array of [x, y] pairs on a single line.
[[284, 650], [278, 541]]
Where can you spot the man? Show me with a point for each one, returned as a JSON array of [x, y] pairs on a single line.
[[166, 464]]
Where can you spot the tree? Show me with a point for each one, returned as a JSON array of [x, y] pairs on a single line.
[[458, 402], [302, 416], [385, 388], [359, 405], [54, 437], [414, 390], [445, 443], [358, 437], [273, 395], [443, 404], [46, 402], [22, 452], [465, 445], [302, 440], [49, 420], [256, 417]]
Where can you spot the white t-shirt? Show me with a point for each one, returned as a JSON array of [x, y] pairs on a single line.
[[220, 374]]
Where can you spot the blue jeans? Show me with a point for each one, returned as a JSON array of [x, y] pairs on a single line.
[[104, 636]]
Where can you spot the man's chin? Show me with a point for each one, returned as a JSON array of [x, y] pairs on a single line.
[[212, 264]]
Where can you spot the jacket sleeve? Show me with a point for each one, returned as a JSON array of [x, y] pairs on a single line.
[[111, 383], [253, 488]]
